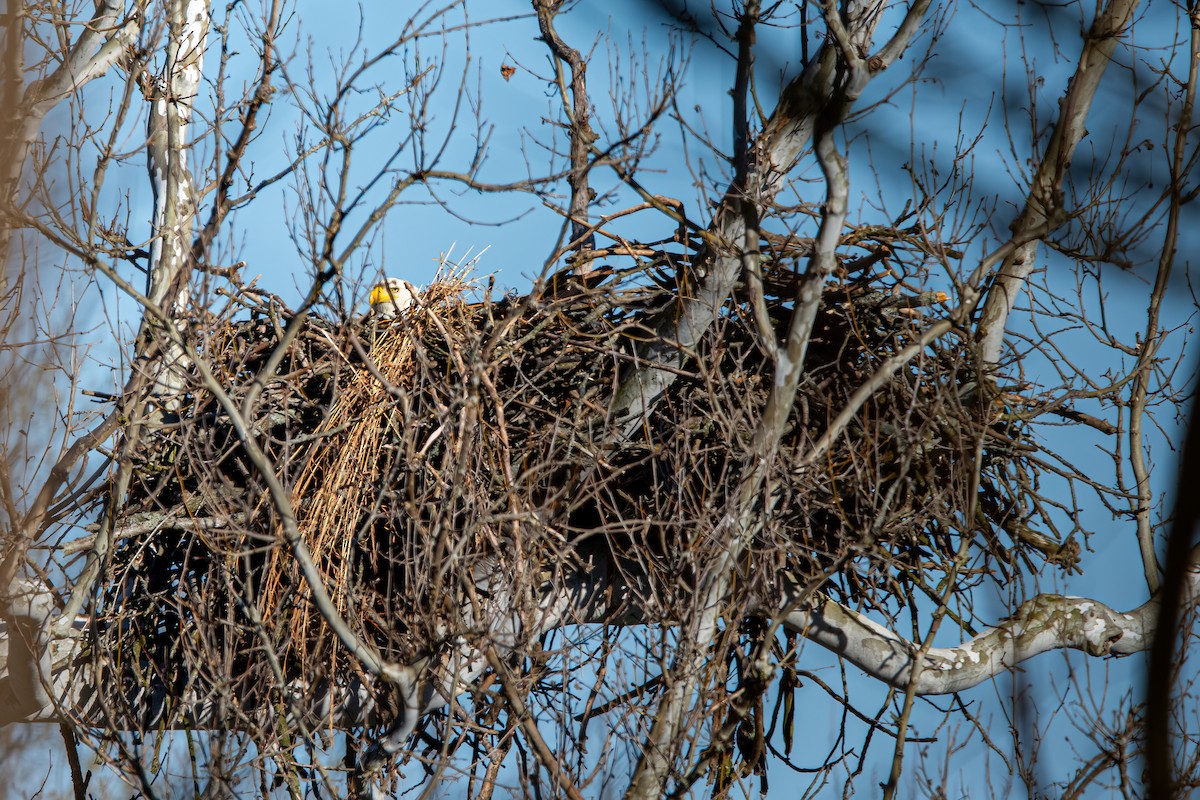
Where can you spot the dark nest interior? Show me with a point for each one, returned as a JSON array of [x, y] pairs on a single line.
[[474, 433]]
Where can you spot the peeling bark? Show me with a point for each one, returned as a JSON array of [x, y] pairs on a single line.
[[171, 98]]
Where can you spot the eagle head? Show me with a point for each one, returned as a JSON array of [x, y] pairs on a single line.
[[391, 296]]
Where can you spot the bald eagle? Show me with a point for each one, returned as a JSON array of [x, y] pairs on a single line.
[[390, 297]]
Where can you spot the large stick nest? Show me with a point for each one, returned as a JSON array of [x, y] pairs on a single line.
[[474, 435]]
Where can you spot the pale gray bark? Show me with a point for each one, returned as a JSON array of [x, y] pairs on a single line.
[[1043, 624], [172, 97], [816, 92], [1044, 211]]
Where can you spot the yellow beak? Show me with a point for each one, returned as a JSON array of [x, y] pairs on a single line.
[[381, 294]]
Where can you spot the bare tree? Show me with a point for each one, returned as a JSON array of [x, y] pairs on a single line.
[[615, 531]]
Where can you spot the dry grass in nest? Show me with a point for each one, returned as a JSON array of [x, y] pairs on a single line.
[[344, 476]]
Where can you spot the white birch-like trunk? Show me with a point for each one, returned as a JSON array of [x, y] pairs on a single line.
[[172, 97]]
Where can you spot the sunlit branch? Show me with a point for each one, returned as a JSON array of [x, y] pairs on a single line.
[[1044, 203]]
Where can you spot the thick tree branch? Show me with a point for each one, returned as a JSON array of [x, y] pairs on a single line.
[[591, 593], [1043, 624], [822, 91], [1044, 203]]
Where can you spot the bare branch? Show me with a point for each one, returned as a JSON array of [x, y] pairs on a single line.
[[1044, 205]]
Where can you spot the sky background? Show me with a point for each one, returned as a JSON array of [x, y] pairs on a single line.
[[983, 78]]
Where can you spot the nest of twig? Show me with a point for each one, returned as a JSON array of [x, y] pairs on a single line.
[[475, 435]]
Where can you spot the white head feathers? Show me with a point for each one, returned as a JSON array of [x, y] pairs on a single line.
[[391, 296]]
